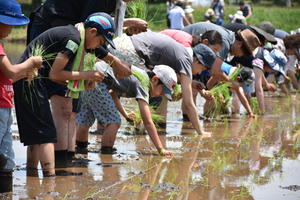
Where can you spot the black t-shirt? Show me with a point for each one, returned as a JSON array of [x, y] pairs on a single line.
[[62, 39], [77, 10]]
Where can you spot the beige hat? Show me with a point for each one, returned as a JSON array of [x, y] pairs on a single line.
[[250, 40]]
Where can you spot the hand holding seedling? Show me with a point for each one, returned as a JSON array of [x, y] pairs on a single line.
[[271, 87], [37, 61], [130, 117], [94, 76], [166, 153]]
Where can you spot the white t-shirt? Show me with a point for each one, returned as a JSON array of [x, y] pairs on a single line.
[[176, 18]]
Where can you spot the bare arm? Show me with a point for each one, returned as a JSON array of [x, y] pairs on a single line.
[[187, 100], [240, 93], [120, 69], [258, 88], [18, 70], [119, 105], [150, 127], [58, 74]]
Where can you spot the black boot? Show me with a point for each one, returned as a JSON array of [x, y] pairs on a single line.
[[6, 181], [3, 161], [61, 158], [108, 150], [81, 147]]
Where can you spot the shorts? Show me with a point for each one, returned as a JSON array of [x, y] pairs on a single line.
[[6, 148], [55, 89], [33, 112], [97, 104]]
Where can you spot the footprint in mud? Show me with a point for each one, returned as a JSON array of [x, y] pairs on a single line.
[[294, 188]]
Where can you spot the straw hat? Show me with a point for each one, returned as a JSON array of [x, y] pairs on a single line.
[[210, 12], [250, 40]]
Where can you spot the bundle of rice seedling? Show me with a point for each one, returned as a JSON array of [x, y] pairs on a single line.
[[40, 50], [221, 93], [176, 95], [90, 61], [255, 106], [144, 80], [156, 118]]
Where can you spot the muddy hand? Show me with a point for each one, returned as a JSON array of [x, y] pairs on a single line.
[[271, 87], [37, 61], [166, 153]]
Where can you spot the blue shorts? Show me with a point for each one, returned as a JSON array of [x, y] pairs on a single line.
[[97, 104], [6, 149]]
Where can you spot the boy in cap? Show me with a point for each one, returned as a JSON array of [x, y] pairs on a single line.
[[10, 15], [160, 81], [67, 44]]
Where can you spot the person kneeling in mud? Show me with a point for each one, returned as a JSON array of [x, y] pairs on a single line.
[[221, 92], [140, 86]]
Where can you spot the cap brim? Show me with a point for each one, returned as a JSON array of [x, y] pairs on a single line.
[[13, 21], [167, 92], [112, 44]]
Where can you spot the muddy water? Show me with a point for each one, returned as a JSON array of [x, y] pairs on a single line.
[[244, 159]]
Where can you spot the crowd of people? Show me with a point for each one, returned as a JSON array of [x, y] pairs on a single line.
[[58, 97]]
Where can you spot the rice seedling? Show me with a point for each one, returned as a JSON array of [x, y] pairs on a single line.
[[40, 50], [255, 106], [221, 93], [143, 79], [90, 61], [176, 95], [156, 118]]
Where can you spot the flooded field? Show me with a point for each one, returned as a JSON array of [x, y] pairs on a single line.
[[244, 159]]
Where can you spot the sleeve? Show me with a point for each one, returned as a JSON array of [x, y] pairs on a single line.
[[184, 66], [142, 93], [182, 12], [101, 52], [70, 44], [2, 52], [259, 63]]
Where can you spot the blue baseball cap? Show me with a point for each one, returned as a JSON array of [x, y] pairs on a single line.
[[11, 13], [104, 25]]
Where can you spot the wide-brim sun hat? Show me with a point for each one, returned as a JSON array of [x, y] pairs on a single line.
[[104, 25], [250, 40], [188, 9], [276, 60], [267, 36], [11, 13]]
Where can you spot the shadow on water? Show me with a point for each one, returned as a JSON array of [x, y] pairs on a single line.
[[244, 159]]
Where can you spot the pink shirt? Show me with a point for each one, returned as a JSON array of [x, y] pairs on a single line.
[[181, 37], [6, 88]]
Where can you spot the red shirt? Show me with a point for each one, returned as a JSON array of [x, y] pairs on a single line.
[[181, 37], [6, 88]]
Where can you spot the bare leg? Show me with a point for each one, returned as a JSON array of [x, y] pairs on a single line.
[[109, 135], [32, 160], [61, 113], [72, 133], [46, 156], [82, 133]]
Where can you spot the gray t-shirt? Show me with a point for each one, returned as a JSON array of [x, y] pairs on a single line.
[[201, 27], [131, 87], [159, 49]]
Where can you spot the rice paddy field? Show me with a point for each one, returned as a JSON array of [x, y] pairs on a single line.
[[244, 159]]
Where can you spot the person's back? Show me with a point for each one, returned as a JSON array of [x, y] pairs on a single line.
[[228, 36], [176, 18]]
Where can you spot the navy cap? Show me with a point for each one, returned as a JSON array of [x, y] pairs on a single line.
[[11, 13], [104, 25], [205, 55]]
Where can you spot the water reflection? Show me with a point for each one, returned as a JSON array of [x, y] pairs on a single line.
[[244, 159]]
